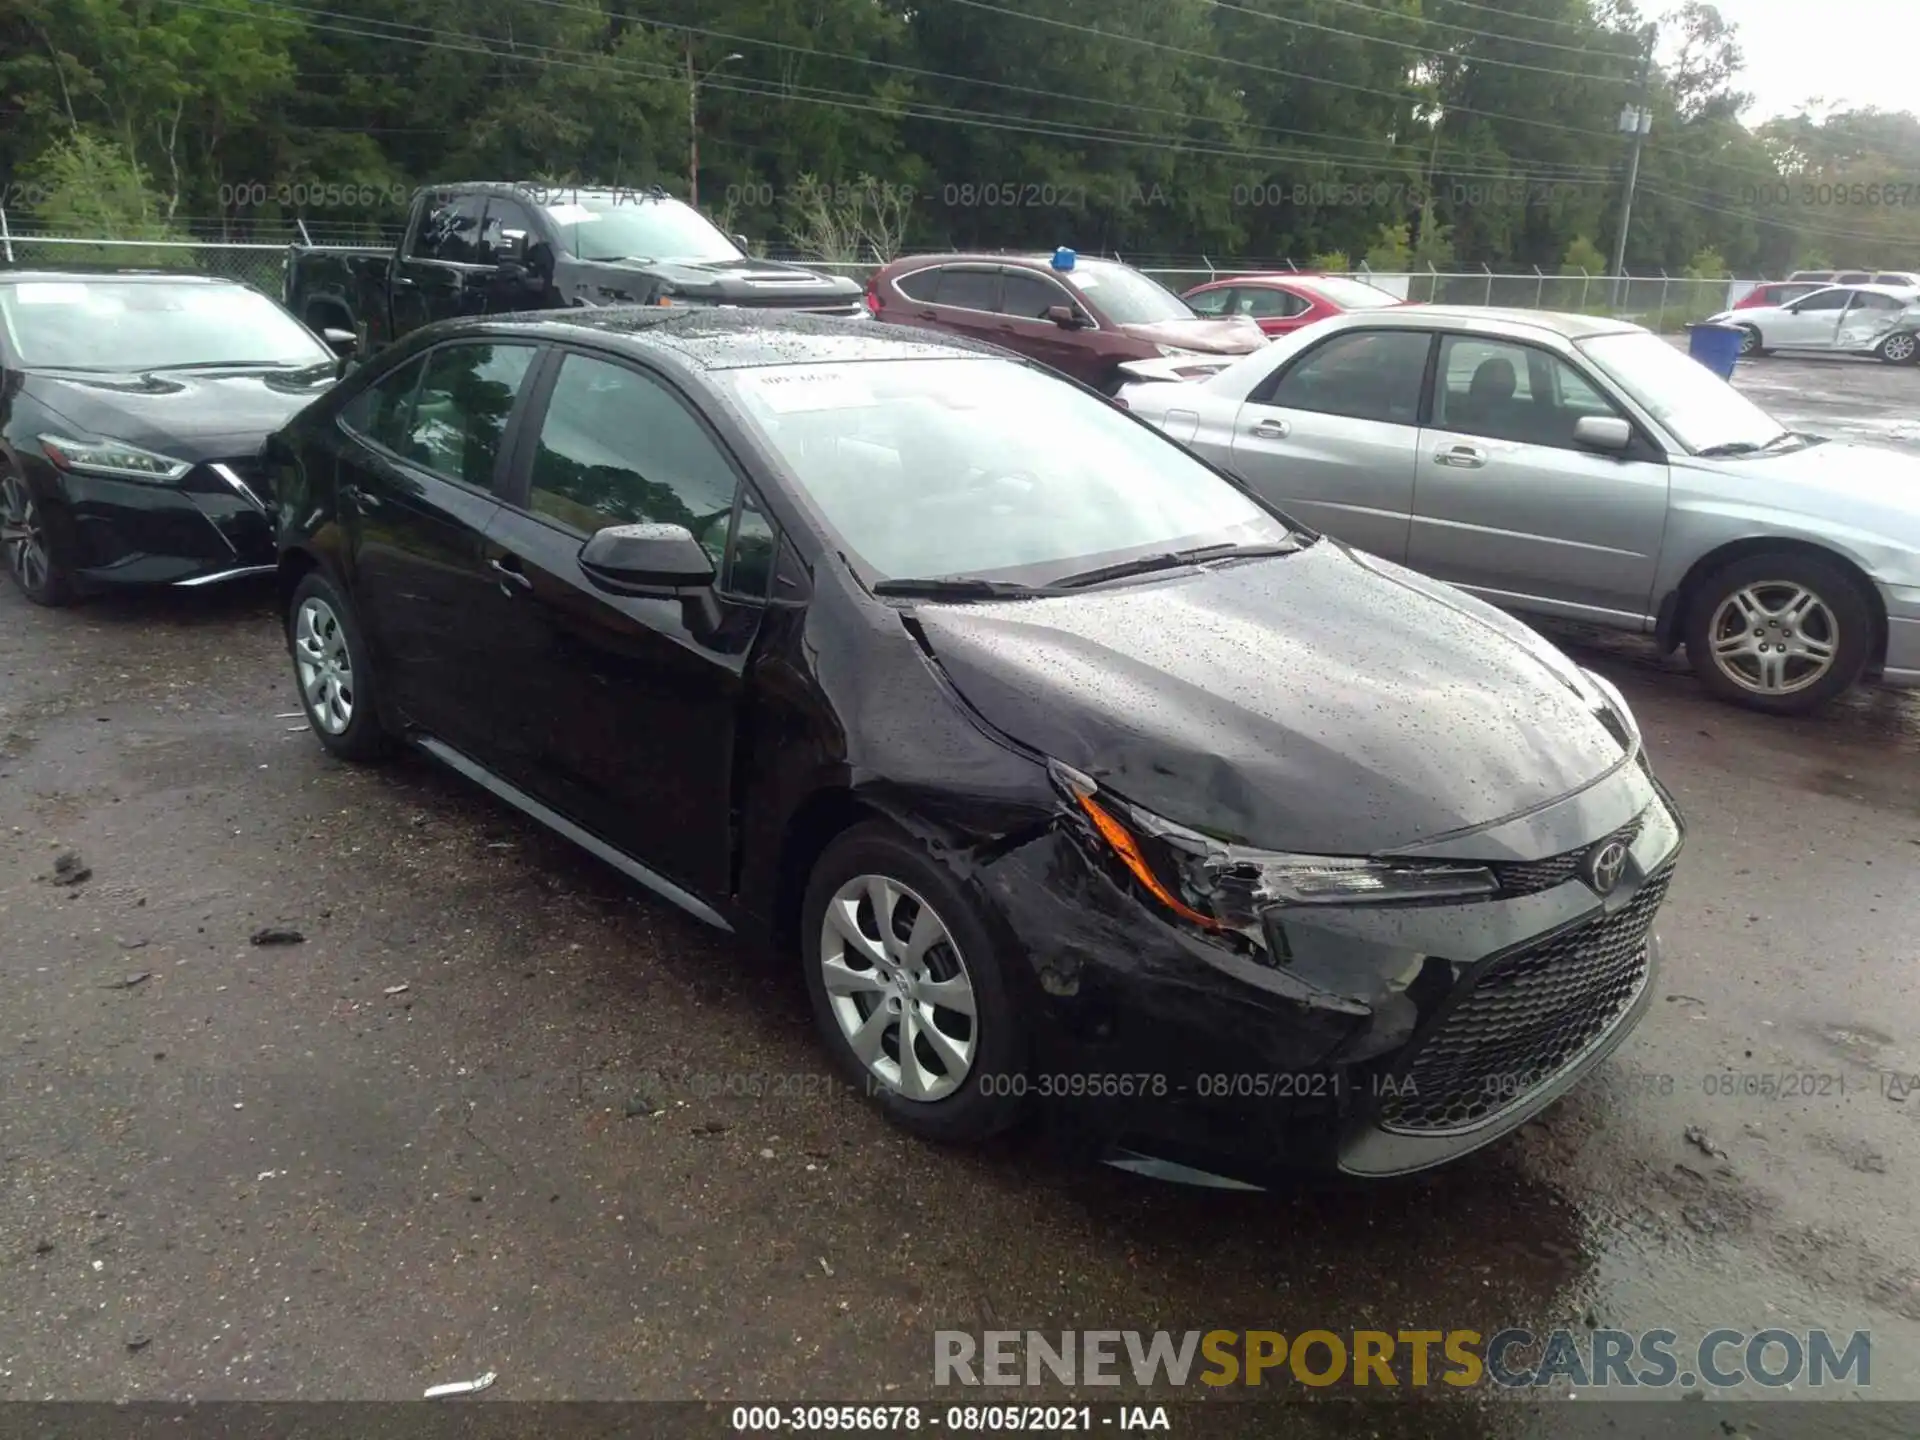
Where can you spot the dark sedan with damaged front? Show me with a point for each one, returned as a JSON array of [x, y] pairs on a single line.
[[131, 418], [1064, 764]]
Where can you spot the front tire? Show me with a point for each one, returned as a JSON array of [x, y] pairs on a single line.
[[332, 671], [1898, 349], [908, 989], [30, 546], [1781, 632], [1750, 342]]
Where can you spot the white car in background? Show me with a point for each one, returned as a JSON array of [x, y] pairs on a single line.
[[1878, 320]]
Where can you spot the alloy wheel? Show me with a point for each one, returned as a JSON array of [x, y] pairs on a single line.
[[1898, 348], [899, 988], [324, 666], [22, 535], [1774, 638], [1749, 340]]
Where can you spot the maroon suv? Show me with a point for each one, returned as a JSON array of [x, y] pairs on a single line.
[[1083, 317]]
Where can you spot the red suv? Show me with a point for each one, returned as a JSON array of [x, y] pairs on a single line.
[[1085, 318]]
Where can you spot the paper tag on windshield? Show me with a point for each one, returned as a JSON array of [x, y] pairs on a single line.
[[43, 292], [571, 214], [791, 391]]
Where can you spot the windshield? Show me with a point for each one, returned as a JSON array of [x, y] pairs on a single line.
[[1703, 411], [621, 226], [1127, 296], [986, 468], [1353, 294], [150, 325]]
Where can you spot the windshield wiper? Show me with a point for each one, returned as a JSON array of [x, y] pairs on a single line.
[[959, 588], [1747, 447], [1174, 560]]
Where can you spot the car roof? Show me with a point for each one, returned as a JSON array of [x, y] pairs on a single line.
[[730, 339], [21, 277], [1897, 291], [1493, 319], [1018, 259]]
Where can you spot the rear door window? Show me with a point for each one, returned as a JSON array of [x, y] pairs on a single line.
[[964, 289], [921, 285], [1265, 304], [1362, 374], [461, 409], [382, 411]]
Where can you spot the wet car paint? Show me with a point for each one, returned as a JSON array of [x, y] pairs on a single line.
[[1354, 714], [114, 531]]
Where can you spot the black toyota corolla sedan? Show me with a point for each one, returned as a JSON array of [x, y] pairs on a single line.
[[132, 409], [1069, 770]]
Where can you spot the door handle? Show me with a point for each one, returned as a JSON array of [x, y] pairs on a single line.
[[361, 500], [925, 315], [1271, 430], [402, 282], [509, 574], [1461, 457]]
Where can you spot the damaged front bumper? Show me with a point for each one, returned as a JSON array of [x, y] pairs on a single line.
[[1383, 1039]]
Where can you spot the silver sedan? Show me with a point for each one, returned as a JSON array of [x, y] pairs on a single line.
[[1570, 466]]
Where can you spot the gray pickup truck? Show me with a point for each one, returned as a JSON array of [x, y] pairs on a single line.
[[490, 247]]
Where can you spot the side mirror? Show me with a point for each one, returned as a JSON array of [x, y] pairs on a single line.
[[746, 245], [344, 343], [1065, 316], [1607, 433], [646, 557]]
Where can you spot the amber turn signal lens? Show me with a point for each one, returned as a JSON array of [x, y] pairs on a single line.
[[1122, 841]]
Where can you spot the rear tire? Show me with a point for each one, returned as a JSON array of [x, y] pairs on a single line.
[[32, 546], [892, 992], [333, 673], [1898, 349], [1782, 632]]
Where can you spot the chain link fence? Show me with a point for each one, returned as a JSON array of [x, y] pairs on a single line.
[[1658, 302]]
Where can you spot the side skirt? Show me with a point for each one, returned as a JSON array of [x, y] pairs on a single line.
[[560, 825]]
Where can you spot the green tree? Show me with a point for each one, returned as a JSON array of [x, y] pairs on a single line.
[[91, 188]]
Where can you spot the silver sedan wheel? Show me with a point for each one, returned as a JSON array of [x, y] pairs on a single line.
[[899, 988], [325, 668], [1749, 340], [22, 536], [1898, 348], [1774, 638]]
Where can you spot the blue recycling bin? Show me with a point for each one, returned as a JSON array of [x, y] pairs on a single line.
[[1715, 346]]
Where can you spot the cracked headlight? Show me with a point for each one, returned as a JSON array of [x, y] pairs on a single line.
[[1227, 888]]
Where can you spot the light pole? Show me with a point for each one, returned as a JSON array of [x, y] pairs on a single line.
[[693, 119], [1635, 120]]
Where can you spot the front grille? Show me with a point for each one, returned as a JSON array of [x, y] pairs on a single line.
[[1524, 1020], [1529, 877]]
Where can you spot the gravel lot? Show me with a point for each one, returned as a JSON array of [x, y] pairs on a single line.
[[272, 1172]]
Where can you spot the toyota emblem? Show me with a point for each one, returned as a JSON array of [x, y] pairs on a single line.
[[1605, 864]]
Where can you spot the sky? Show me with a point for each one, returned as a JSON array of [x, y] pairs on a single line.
[[1849, 53]]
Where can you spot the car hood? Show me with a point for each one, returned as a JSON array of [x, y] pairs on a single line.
[[1322, 701], [744, 282], [1865, 489], [1236, 336], [189, 414]]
